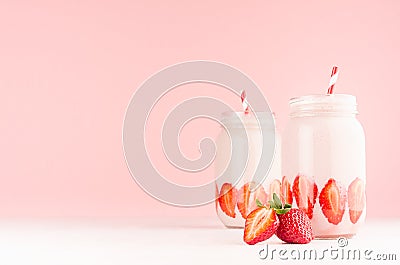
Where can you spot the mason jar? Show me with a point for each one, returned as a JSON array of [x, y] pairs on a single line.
[[323, 157], [236, 199]]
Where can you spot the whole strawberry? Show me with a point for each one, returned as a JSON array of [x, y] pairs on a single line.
[[294, 224]]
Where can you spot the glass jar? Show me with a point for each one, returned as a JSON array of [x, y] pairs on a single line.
[[236, 199], [323, 157]]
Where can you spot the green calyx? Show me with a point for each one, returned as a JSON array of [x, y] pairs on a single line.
[[276, 204]]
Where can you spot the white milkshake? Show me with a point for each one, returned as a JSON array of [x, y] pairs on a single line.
[[324, 144], [238, 200]]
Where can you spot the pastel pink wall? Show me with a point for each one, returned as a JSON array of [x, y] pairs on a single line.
[[69, 68]]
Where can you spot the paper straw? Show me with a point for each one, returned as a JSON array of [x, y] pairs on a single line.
[[244, 102], [332, 81]]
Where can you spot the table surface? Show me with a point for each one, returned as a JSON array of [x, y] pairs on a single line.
[[176, 241]]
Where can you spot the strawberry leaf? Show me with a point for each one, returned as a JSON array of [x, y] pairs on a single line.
[[277, 201], [259, 204], [282, 211], [287, 206], [272, 204]]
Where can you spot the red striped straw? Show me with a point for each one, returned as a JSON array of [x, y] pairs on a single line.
[[245, 105], [332, 81]]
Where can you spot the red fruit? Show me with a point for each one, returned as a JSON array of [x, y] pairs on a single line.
[[260, 225], [227, 199], [305, 192], [333, 201], [246, 201], [274, 187], [243, 200], [216, 196], [286, 193], [295, 227], [258, 194], [356, 199]]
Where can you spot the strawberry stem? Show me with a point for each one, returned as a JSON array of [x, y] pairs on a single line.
[[276, 204]]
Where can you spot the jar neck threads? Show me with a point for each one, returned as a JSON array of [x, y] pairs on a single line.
[[324, 105], [251, 120]]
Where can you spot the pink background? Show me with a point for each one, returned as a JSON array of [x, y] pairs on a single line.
[[69, 68]]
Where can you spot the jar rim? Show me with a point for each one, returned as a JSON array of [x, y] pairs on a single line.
[[253, 119], [323, 104], [227, 114], [336, 99]]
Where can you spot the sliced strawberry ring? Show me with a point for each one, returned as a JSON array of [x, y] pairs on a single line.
[[274, 187], [305, 192], [333, 201], [246, 201], [260, 225], [216, 196], [227, 199], [286, 193], [258, 194], [243, 200], [356, 199]]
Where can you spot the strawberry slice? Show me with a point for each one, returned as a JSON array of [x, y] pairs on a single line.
[[274, 187], [243, 200], [356, 199], [227, 199], [333, 201], [216, 196], [260, 225], [246, 201], [305, 192], [286, 193], [258, 194]]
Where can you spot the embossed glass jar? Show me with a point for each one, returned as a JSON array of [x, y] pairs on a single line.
[[323, 157], [235, 200]]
